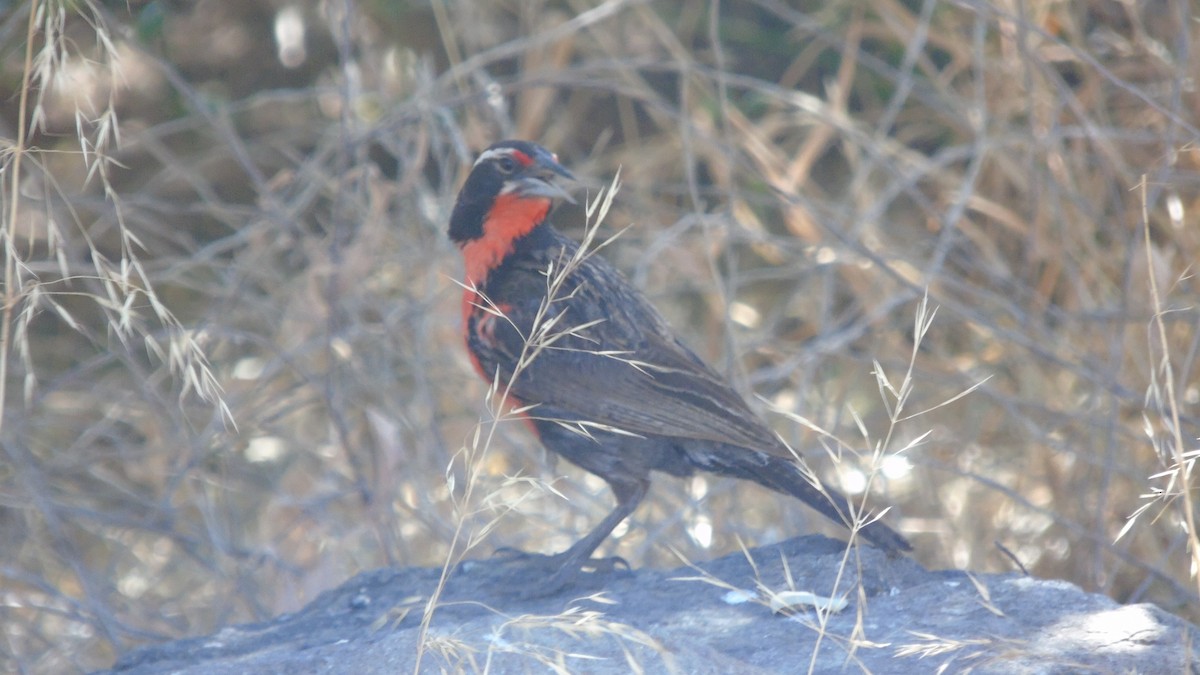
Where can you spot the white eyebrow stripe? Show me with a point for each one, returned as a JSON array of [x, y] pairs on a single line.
[[493, 154]]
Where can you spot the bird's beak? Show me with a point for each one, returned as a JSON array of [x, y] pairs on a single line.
[[540, 179]]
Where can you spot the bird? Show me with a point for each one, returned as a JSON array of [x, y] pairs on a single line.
[[603, 380]]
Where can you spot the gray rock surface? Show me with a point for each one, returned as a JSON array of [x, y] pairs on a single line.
[[900, 618]]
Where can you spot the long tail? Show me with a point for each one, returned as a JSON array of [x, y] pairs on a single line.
[[787, 476]]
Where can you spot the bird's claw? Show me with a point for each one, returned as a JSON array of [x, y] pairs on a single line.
[[535, 575]]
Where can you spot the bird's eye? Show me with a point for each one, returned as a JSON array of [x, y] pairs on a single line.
[[506, 165]]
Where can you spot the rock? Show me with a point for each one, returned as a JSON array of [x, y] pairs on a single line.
[[711, 618]]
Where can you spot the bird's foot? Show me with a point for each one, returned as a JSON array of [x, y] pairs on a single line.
[[534, 575]]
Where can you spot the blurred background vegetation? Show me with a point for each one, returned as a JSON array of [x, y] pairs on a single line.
[[231, 370]]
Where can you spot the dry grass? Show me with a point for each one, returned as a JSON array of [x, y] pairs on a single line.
[[231, 371]]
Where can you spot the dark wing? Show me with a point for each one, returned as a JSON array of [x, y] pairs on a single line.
[[609, 358]]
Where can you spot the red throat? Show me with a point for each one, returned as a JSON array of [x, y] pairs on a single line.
[[509, 219]]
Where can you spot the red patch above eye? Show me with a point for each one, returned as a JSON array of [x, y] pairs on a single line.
[[524, 159]]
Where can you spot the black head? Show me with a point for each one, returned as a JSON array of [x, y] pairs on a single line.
[[517, 169]]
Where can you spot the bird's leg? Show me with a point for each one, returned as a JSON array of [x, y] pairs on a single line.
[[567, 566], [629, 494]]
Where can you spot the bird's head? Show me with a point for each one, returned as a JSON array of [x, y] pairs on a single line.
[[511, 184]]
